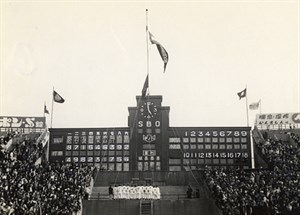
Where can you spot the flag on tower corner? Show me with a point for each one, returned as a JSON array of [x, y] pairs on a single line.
[[162, 51], [254, 105], [145, 87], [242, 94], [57, 98], [45, 109]]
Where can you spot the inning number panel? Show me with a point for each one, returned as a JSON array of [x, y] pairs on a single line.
[[193, 148]]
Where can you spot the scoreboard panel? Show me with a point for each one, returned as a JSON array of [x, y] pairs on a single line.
[[107, 148], [193, 148], [150, 144]]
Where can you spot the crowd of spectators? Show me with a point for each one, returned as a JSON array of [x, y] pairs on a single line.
[[275, 190], [47, 188]]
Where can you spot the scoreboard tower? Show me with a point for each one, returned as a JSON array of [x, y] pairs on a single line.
[[150, 144]]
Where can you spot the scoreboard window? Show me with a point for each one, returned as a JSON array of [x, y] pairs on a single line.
[[83, 153], [214, 139], [201, 161], [222, 146], [119, 153], [126, 153], [111, 153], [193, 161], [91, 139], [207, 146], [76, 139], [215, 161], [83, 139], [174, 168], [58, 140], [82, 147], [200, 146], [90, 153], [111, 166], [193, 146], [229, 140], [119, 139], [243, 146], [57, 153], [244, 140], [236, 146], [105, 147], [174, 140], [222, 140], [69, 139], [186, 161], [193, 140], [186, 146], [119, 167], [174, 146], [185, 139], [97, 139], [236, 140], [75, 153], [174, 161], [126, 166], [223, 161], [207, 139], [68, 153], [230, 161], [229, 146], [215, 146], [207, 161], [200, 139]]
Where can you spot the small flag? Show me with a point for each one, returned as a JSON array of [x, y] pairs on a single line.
[[254, 106], [242, 94], [45, 109], [162, 51], [57, 98], [145, 87]]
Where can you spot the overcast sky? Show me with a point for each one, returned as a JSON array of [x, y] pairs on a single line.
[[94, 55]]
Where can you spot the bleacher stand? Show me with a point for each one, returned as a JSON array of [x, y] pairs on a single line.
[[270, 191], [47, 188]]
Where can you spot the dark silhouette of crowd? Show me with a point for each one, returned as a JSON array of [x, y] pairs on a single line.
[[47, 188], [275, 190]]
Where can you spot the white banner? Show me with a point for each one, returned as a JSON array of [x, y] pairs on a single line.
[[278, 119]]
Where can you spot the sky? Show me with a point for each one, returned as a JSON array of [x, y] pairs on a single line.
[[94, 54]]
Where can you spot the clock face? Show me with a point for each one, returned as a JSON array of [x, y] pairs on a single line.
[[148, 110]]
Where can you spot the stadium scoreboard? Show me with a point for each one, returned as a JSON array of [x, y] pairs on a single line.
[[150, 144]]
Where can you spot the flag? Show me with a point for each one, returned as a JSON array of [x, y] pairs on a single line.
[[45, 109], [254, 105], [57, 98], [242, 94], [162, 51], [145, 87]]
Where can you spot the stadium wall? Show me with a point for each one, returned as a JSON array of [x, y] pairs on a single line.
[[162, 207], [159, 178]]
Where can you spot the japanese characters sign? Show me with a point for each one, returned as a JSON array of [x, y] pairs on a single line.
[[278, 119], [22, 122]]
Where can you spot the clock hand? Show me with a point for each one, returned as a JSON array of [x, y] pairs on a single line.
[[149, 109]]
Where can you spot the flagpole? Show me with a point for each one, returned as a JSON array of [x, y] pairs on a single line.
[[247, 107], [260, 106], [44, 108], [52, 108], [147, 43]]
